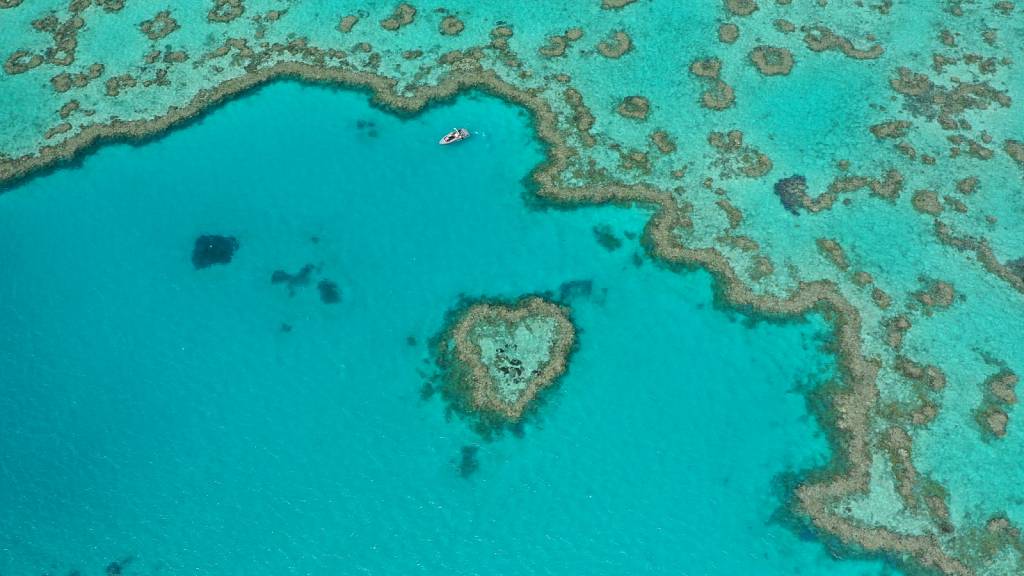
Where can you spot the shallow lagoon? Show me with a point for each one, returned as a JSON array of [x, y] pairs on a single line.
[[161, 413]]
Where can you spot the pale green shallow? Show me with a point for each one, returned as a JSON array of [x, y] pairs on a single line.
[[529, 341]]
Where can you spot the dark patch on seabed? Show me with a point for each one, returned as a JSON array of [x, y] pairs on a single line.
[[116, 568], [575, 289], [469, 462], [293, 281], [518, 429], [606, 238], [369, 125], [427, 391], [211, 249], [791, 192], [329, 292]]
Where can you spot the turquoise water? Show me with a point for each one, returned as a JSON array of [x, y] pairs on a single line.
[[159, 414]]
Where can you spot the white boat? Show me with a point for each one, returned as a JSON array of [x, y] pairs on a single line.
[[456, 135]]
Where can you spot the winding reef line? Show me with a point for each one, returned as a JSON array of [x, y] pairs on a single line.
[[849, 471]]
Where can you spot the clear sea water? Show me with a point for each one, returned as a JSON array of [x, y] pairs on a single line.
[[158, 416]]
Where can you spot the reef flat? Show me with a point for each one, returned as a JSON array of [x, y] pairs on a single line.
[[496, 358], [860, 159]]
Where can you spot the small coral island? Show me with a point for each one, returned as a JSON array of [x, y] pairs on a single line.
[[495, 358]]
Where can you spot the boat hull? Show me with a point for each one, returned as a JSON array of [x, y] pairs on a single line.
[[454, 136]]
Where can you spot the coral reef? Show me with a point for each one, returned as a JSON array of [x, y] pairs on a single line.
[[403, 15], [772, 61], [943, 129], [496, 358], [615, 46], [635, 107]]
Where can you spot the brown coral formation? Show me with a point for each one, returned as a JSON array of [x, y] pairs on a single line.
[[822, 39], [1001, 386], [1015, 150], [500, 36], [615, 4], [718, 95], [862, 279], [468, 60], [728, 33], [784, 26], [925, 99], [58, 129], [615, 46], [559, 44], [1011, 273], [995, 421], [68, 109], [834, 252], [736, 158], [116, 84], [895, 328], [926, 202], [403, 15], [663, 142], [927, 375], [999, 396], [224, 11], [347, 23], [881, 298], [732, 213], [897, 445], [159, 79], [741, 7], [160, 26], [792, 193], [175, 56], [64, 34], [936, 295], [633, 159], [452, 25], [891, 129], [772, 61], [582, 118], [66, 81], [22, 61], [111, 5], [706, 68], [634, 107], [740, 242], [888, 187], [955, 204]]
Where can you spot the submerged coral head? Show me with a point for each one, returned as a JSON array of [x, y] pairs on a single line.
[[792, 192], [212, 249]]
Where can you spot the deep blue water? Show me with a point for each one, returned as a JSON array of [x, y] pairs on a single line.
[[159, 414]]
